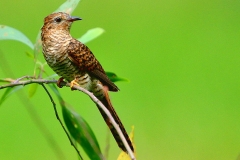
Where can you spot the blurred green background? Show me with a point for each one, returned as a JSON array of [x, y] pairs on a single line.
[[182, 58]]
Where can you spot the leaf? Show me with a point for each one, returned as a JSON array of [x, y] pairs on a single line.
[[5, 95], [5, 80], [123, 155], [114, 78], [91, 34], [9, 33], [79, 129], [38, 45], [67, 7], [32, 89], [81, 132], [9, 91]]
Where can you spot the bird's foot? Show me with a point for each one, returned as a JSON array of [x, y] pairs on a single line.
[[73, 82], [59, 82]]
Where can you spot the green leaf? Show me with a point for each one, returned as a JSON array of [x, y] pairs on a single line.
[[9, 91], [38, 45], [9, 33], [32, 89], [114, 78], [81, 132], [67, 7], [91, 34]]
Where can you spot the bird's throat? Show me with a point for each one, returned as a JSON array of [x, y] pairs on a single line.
[[55, 42]]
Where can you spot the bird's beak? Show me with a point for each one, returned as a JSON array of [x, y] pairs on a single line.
[[72, 19]]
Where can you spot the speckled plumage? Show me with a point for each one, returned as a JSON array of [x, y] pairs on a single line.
[[73, 60]]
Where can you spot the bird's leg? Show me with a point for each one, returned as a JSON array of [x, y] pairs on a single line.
[[74, 82], [59, 82]]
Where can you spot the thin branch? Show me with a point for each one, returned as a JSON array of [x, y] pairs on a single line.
[[23, 77], [56, 113], [94, 99], [39, 81]]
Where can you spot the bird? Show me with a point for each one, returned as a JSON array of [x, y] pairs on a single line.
[[74, 62]]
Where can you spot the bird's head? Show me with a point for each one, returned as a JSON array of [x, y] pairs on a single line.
[[59, 20]]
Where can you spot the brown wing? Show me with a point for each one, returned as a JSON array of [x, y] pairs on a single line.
[[81, 55]]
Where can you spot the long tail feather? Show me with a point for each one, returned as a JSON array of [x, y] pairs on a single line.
[[107, 103]]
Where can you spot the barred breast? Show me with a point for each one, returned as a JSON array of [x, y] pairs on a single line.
[[54, 49]]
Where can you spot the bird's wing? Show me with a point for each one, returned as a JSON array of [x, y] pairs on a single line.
[[81, 56]]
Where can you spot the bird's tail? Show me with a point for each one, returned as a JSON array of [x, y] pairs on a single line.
[[107, 103]]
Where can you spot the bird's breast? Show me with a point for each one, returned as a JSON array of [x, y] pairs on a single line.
[[55, 49]]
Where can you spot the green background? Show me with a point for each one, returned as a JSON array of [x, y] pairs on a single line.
[[182, 60]]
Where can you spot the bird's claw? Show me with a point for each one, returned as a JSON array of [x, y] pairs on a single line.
[[72, 83]]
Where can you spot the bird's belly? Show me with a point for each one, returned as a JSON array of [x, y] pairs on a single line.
[[65, 68]]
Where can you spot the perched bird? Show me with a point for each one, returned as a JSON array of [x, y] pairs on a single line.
[[74, 62]]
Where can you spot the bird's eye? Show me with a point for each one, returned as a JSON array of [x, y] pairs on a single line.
[[58, 19]]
